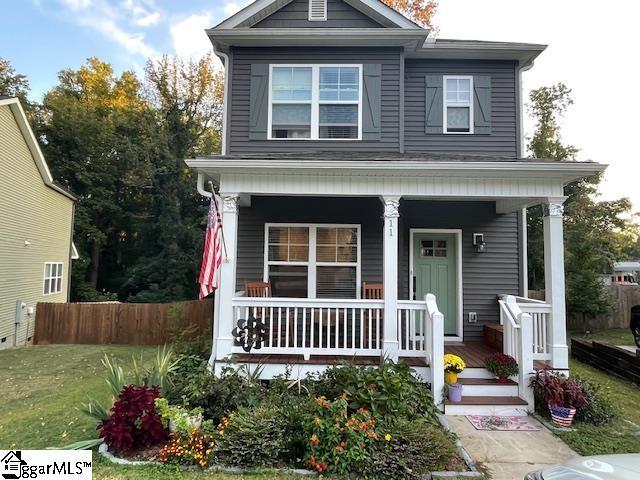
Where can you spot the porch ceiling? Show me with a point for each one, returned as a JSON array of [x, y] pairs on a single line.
[[512, 184]]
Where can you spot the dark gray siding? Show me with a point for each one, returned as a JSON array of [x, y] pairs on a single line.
[[501, 141], [389, 58], [365, 211], [296, 15], [485, 275]]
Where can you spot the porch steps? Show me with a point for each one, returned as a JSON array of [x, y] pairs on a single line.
[[487, 405], [488, 387]]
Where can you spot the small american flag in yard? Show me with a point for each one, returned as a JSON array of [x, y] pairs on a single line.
[[212, 253]]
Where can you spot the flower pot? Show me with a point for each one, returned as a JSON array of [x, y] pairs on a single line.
[[455, 392], [450, 377], [562, 416]]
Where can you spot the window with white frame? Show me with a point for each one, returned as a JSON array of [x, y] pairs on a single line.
[[315, 102], [314, 261], [458, 104], [52, 278]]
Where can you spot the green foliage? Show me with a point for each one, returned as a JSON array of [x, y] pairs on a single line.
[[159, 372], [416, 446], [390, 388], [599, 409], [597, 233], [340, 442], [13, 84], [251, 436], [181, 421]]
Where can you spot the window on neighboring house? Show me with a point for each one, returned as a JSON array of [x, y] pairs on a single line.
[[458, 104], [52, 278], [314, 261], [315, 102]]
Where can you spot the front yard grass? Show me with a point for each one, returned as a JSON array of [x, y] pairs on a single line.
[[42, 387], [612, 336], [623, 434]]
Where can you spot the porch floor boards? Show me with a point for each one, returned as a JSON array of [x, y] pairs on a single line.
[[319, 359], [474, 353]]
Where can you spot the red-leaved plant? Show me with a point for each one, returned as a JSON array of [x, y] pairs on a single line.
[[557, 390], [501, 365], [134, 423]]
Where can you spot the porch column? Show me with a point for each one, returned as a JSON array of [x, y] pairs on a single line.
[[554, 280], [227, 288], [390, 240]]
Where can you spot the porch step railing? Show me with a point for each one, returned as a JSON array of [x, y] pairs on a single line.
[[541, 318], [412, 328], [315, 326], [518, 339]]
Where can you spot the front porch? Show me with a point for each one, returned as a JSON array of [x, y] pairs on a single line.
[[315, 237]]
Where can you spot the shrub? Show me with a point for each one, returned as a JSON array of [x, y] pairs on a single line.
[[340, 442], [195, 449], [390, 388], [251, 436], [410, 447], [599, 409], [501, 365], [196, 386], [556, 391], [134, 423]]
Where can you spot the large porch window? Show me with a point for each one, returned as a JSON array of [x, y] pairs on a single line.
[[313, 260]]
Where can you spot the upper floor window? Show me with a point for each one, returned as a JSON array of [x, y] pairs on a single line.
[[52, 278], [315, 102], [458, 104]]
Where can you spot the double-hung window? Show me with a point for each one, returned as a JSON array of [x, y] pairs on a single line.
[[314, 261], [315, 102], [458, 104], [52, 278]]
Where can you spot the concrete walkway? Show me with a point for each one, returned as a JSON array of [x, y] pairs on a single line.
[[510, 455]]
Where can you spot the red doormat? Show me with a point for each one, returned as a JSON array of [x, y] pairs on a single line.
[[503, 424]]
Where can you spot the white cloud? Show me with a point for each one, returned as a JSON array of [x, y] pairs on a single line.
[[119, 22], [188, 36]]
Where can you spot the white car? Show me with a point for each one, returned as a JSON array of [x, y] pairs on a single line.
[[601, 467]]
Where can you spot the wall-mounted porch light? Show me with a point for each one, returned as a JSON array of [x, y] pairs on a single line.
[[479, 243]]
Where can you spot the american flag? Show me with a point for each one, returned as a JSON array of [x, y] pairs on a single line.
[[212, 253], [562, 416]]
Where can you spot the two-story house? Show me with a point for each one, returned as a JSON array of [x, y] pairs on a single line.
[[373, 192]]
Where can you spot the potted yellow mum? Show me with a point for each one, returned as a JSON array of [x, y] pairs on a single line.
[[453, 365]]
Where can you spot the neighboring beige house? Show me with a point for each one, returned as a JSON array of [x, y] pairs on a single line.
[[36, 227]]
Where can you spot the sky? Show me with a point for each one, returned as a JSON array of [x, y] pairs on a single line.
[[593, 48]]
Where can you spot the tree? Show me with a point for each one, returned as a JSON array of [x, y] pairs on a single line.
[[596, 233], [187, 97], [420, 11], [99, 138], [14, 84]]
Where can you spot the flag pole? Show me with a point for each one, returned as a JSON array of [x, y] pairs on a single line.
[[213, 197]]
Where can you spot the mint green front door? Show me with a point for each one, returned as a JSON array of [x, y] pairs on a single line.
[[435, 271]]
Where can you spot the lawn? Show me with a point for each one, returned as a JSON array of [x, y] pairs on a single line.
[[43, 386], [623, 435], [613, 336]]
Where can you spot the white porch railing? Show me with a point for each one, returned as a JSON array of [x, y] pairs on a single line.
[[541, 316], [412, 328], [518, 339], [315, 326]]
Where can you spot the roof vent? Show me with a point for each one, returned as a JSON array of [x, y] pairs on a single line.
[[317, 10]]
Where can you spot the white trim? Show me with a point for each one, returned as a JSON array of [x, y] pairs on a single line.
[[323, 18], [59, 276], [524, 246], [32, 144], [445, 103], [315, 102], [457, 232], [311, 262]]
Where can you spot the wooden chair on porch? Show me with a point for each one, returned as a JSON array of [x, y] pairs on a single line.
[[257, 289], [371, 291]]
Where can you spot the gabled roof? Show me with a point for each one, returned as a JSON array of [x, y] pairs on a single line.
[[32, 144], [261, 9]]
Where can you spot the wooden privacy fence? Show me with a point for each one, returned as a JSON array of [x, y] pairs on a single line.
[[120, 323]]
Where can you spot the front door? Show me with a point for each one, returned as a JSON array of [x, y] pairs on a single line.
[[435, 271]]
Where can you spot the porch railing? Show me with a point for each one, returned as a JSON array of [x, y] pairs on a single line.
[[315, 326], [412, 328], [541, 318], [518, 339]]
